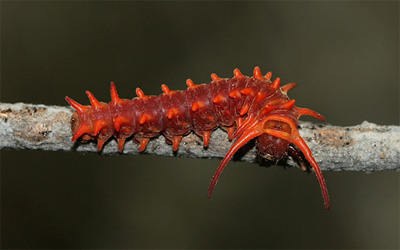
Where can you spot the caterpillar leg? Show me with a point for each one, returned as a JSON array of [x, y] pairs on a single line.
[[298, 158]]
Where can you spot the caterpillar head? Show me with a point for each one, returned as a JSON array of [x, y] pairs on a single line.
[[270, 147], [274, 134]]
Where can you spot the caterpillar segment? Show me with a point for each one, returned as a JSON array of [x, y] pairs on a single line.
[[246, 107]]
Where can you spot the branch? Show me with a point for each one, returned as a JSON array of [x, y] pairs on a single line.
[[365, 147]]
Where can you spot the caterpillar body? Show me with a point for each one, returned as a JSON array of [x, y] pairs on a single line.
[[246, 107]]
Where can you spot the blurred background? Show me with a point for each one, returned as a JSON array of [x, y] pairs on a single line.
[[344, 56]]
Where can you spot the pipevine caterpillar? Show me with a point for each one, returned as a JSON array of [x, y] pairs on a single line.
[[246, 107]]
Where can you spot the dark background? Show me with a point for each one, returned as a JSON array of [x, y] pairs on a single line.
[[344, 55]]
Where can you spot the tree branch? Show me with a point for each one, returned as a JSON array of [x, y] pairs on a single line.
[[365, 147]]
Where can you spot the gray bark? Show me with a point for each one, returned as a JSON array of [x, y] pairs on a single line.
[[365, 147]]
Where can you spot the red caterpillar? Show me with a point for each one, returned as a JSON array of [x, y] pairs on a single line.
[[246, 107]]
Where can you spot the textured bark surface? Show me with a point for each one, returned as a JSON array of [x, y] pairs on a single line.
[[365, 147]]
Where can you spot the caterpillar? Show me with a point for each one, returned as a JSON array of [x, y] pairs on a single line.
[[246, 107]]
